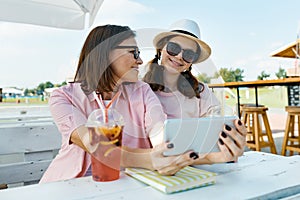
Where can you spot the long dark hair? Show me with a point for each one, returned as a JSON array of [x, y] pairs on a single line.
[[187, 84], [93, 70]]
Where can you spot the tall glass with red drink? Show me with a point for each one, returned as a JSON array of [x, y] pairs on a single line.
[[105, 133]]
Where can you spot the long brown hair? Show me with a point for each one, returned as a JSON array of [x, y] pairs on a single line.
[[93, 70], [187, 84]]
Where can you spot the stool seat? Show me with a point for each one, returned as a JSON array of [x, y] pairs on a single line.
[[292, 109], [251, 117], [291, 141]]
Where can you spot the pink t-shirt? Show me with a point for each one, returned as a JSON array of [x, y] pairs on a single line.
[[176, 105], [70, 108]]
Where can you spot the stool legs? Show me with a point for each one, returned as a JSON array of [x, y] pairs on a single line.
[[291, 132], [291, 142], [269, 133], [286, 134], [255, 136], [256, 132]]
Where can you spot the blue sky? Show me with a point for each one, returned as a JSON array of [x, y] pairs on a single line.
[[242, 34]]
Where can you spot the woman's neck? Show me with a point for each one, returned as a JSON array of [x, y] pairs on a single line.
[[111, 94], [170, 80], [107, 95]]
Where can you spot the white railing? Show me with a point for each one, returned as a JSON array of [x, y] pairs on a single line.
[[26, 150]]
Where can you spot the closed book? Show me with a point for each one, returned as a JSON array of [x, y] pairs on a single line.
[[185, 179]]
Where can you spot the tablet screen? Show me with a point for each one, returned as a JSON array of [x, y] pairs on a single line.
[[198, 134]]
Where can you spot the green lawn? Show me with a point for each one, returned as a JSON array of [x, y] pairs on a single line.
[[23, 101], [273, 97]]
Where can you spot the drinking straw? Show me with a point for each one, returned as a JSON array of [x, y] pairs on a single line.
[[98, 101], [113, 99], [102, 107]]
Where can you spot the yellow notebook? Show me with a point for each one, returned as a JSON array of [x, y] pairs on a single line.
[[185, 179]]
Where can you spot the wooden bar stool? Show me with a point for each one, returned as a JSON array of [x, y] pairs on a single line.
[[291, 142], [256, 137]]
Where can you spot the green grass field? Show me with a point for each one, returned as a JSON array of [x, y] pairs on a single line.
[[23, 101], [273, 97]]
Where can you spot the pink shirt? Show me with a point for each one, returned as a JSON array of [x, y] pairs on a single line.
[[176, 105], [70, 108]]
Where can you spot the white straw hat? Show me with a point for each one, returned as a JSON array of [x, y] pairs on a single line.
[[189, 29]]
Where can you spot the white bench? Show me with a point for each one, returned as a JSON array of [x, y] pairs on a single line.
[[26, 151]]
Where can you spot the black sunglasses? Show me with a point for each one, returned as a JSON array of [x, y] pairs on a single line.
[[188, 55], [135, 52]]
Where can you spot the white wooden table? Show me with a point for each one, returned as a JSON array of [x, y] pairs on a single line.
[[256, 175]]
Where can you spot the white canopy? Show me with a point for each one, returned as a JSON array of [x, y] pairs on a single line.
[[69, 14], [12, 90]]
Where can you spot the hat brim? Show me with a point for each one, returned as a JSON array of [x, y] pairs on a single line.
[[205, 49]]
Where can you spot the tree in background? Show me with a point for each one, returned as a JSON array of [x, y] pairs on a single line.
[[42, 86], [281, 73], [238, 74], [29, 92], [58, 85], [39, 90], [231, 75], [204, 78], [263, 76]]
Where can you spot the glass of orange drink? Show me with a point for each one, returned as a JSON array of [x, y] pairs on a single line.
[[105, 136]]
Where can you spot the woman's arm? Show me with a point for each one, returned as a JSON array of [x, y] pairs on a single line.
[[154, 116], [153, 159], [80, 137], [130, 157], [66, 115]]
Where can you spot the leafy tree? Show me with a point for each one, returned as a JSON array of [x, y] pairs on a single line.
[[238, 73], [281, 73], [231, 75], [42, 86], [226, 75], [58, 85], [26, 92], [48, 84], [39, 90], [263, 76], [204, 78]]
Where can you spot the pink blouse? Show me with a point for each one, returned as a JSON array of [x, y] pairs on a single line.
[[176, 105], [70, 108]]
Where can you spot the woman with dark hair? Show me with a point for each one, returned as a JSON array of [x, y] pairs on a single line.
[[108, 69], [180, 93]]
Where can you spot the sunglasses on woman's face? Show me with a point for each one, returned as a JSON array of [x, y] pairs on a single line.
[[173, 49], [135, 52]]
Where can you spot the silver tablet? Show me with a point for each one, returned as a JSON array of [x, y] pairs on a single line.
[[198, 134]]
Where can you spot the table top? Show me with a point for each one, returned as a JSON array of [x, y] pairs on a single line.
[[256, 175], [285, 81]]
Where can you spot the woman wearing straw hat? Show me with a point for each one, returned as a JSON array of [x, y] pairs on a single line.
[[108, 69], [180, 93]]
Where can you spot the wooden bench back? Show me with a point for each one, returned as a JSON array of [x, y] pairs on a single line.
[[26, 151]]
